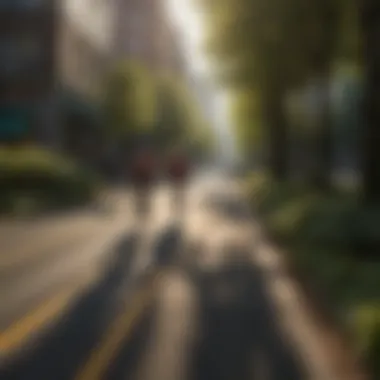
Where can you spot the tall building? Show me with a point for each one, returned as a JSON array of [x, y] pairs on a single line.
[[27, 70], [84, 59], [142, 31], [173, 56], [47, 46], [85, 44]]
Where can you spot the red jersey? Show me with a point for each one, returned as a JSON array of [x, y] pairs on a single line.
[[143, 167], [178, 168]]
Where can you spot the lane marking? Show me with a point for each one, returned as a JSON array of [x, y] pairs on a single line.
[[19, 332], [119, 332], [175, 331]]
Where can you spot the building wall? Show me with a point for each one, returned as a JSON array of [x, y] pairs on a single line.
[[82, 66], [75, 45], [172, 51], [85, 44], [44, 45], [27, 65], [93, 18], [132, 35], [142, 31]]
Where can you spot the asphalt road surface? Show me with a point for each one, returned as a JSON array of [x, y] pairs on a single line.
[[96, 296]]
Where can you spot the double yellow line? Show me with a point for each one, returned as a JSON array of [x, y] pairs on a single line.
[[118, 333], [19, 332], [101, 357]]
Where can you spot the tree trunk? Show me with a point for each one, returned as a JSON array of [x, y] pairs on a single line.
[[323, 139], [370, 19], [277, 125]]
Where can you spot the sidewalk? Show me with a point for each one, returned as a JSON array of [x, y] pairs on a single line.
[[324, 351], [320, 345]]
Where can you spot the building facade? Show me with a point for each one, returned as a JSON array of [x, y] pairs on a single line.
[[142, 31], [83, 63], [47, 46], [174, 57], [27, 70], [85, 44]]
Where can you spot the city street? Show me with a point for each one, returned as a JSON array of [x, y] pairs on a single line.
[[98, 296]]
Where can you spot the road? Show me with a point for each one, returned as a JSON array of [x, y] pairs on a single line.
[[94, 296]]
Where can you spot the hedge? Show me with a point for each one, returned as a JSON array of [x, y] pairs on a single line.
[[42, 179]]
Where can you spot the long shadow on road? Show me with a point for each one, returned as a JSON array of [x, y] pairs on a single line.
[[240, 330], [168, 246], [165, 252], [67, 344]]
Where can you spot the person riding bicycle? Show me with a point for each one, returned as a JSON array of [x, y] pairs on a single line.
[[143, 173], [178, 168]]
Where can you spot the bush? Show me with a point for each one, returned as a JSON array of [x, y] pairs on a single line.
[[293, 211], [44, 179], [285, 222], [330, 238], [366, 327], [268, 195], [328, 222]]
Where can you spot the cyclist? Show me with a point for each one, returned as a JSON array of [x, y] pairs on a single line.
[[143, 174], [178, 171]]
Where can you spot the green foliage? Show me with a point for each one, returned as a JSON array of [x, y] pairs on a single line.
[[264, 49], [245, 111], [267, 194], [316, 219], [181, 121], [350, 38], [42, 179], [138, 101], [130, 100], [322, 232], [174, 119], [366, 326]]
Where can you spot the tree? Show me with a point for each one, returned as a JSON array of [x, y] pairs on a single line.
[[180, 119], [271, 47], [130, 100], [322, 31], [171, 125], [370, 27], [245, 111], [139, 103], [201, 141], [258, 45]]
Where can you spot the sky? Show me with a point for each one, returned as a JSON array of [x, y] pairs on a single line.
[[187, 18]]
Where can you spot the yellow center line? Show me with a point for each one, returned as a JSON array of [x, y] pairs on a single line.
[[119, 331], [20, 331]]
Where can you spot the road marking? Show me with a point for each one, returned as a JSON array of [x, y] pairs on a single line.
[[101, 357], [175, 331], [19, 332]]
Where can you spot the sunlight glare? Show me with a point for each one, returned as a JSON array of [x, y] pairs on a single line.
[[184, 17]]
